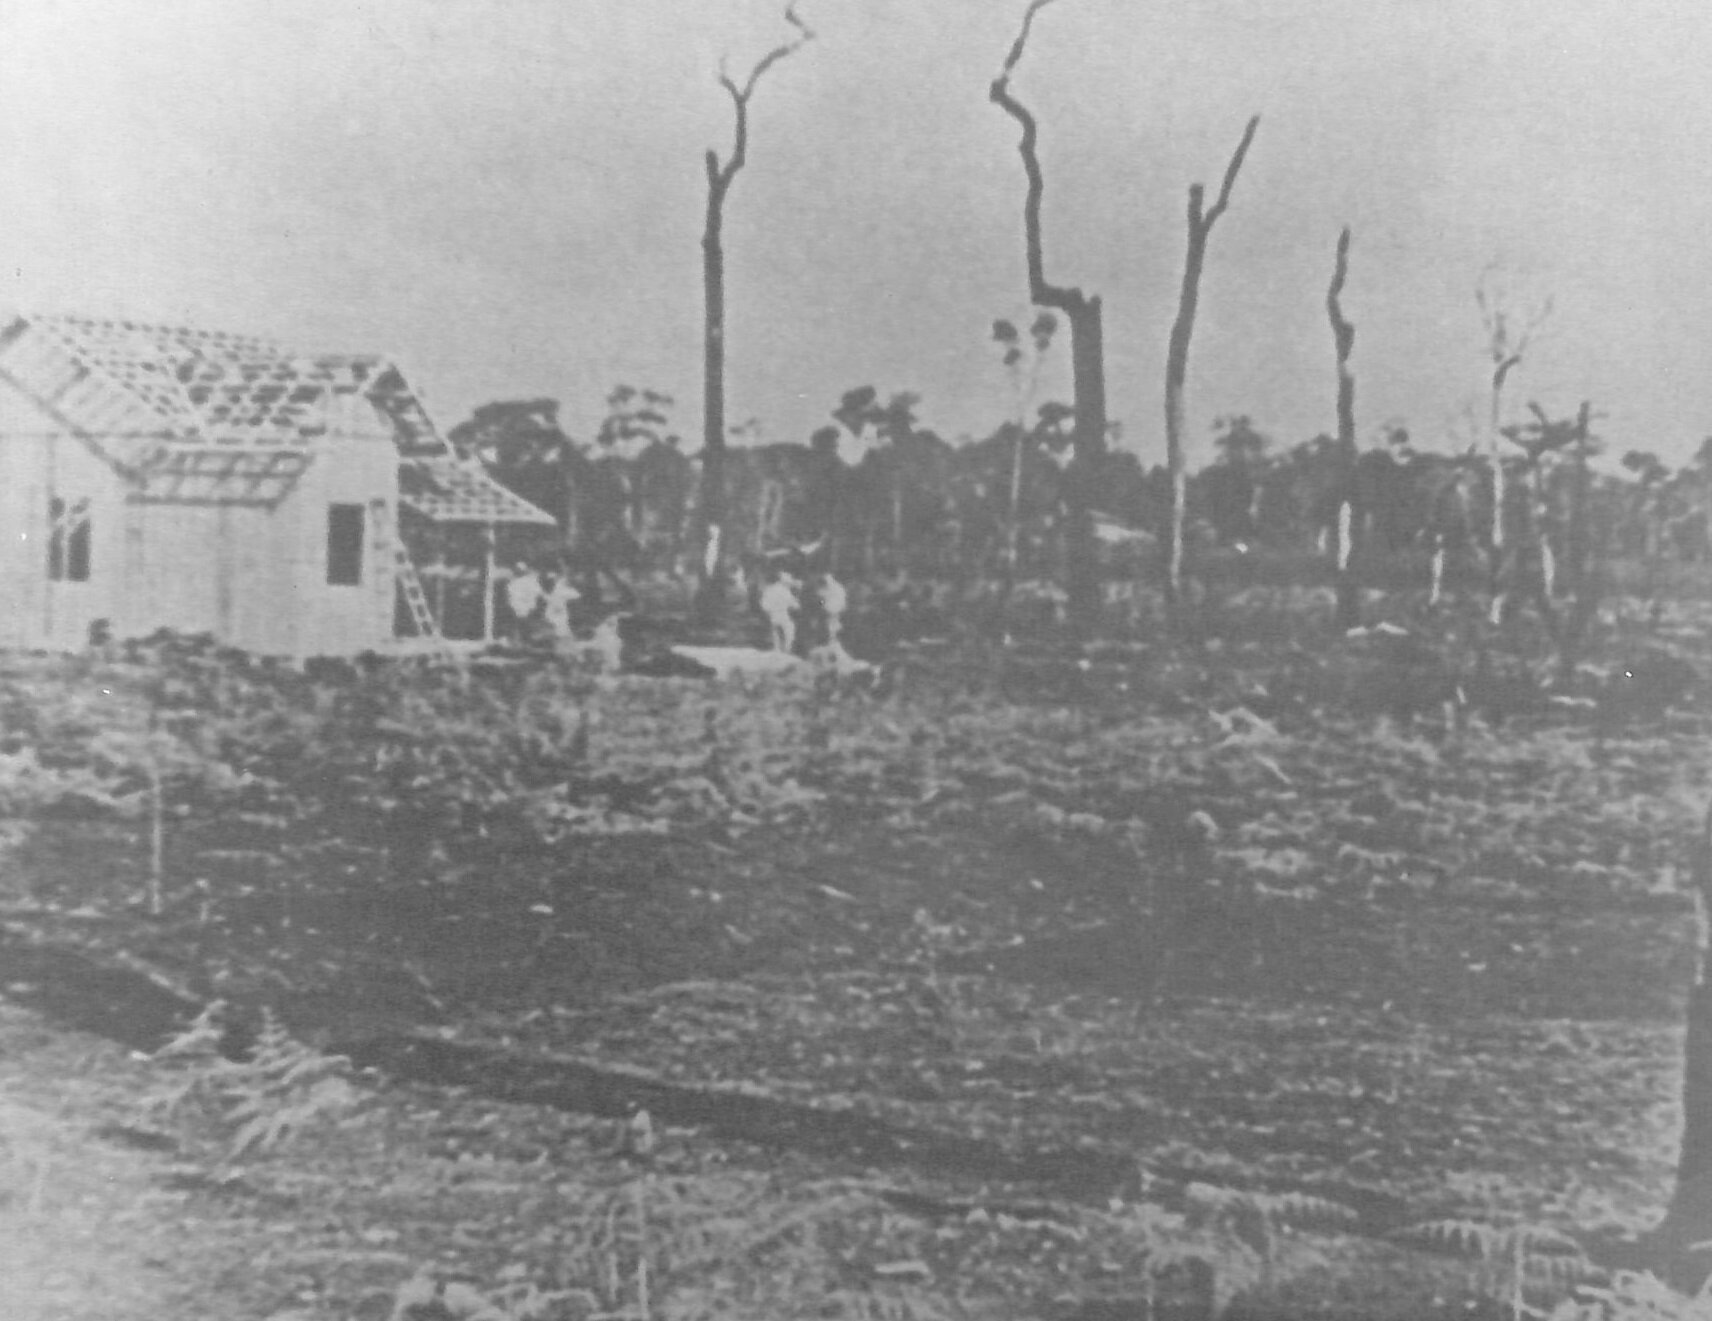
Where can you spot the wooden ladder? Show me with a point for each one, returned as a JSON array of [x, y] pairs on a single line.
[[414, 597]]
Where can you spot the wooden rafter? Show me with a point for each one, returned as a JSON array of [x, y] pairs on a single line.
[[72, 429]]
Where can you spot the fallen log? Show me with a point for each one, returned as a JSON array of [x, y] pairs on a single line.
[[1081, 1174], [131, 1006]]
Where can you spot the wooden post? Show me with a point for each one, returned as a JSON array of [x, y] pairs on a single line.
[[43, 510], [489, 537]]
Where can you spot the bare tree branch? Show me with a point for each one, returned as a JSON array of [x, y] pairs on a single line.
[[1231, 172], [1040, 291], [1200, 227], [805, 34], [1507, 345], [1343, 333], [1177, 356], [1535, 320], [720, 177], [1035, 6]]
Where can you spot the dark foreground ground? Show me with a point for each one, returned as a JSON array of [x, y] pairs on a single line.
[[922, 1017]]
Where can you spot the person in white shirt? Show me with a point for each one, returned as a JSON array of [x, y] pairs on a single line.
[[523, 597], [833, 602], [556, 600], [779, 603], [607, 644]]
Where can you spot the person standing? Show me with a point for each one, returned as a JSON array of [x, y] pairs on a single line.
[[523, 598], [556, 601], [779, 603], [833, 602], [608, 644]]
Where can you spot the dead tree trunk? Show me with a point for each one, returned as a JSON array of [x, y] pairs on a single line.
[[1580, 511], [1495, 532], [1201, 224], [1087, 358], [570, 529], [710, 584], [1343, 339], [1582, 581], [1507, 345], [1451, 515], [1533, 557], [1538, 538], [1013, 526]]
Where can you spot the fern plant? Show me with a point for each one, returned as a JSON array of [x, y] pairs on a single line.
[[731, 1247], [1229, 1240], [1514, 1263], [258, 1103], [658, 1248]]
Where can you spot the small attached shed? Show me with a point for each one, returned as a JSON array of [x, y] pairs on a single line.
[[156, 477]]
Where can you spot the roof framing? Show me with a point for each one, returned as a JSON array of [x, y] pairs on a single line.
[[205, 474], [452, 491], [191, 416]]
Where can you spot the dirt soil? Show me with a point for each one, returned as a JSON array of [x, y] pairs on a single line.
[[91, 1227], [474, 1166], [910, 1040], [111, 1215]]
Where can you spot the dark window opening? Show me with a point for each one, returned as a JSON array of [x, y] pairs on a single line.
[[68, 541], [344, 545]]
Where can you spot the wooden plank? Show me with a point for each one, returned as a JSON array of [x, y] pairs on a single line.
[[79, 376], [71, 427]]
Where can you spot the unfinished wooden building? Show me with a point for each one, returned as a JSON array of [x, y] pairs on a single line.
[[154, 477]]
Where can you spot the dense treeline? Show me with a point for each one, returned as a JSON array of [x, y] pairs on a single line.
[[895, 497]]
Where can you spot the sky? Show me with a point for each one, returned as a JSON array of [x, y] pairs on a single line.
[[507, 196]]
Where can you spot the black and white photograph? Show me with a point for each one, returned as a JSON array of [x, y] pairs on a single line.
[[855, 660]]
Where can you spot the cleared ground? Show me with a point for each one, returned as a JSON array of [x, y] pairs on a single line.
[[1079, 974]]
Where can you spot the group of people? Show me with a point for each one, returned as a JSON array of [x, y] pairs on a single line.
[[539, 600], [804, 609], [793, 616]]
